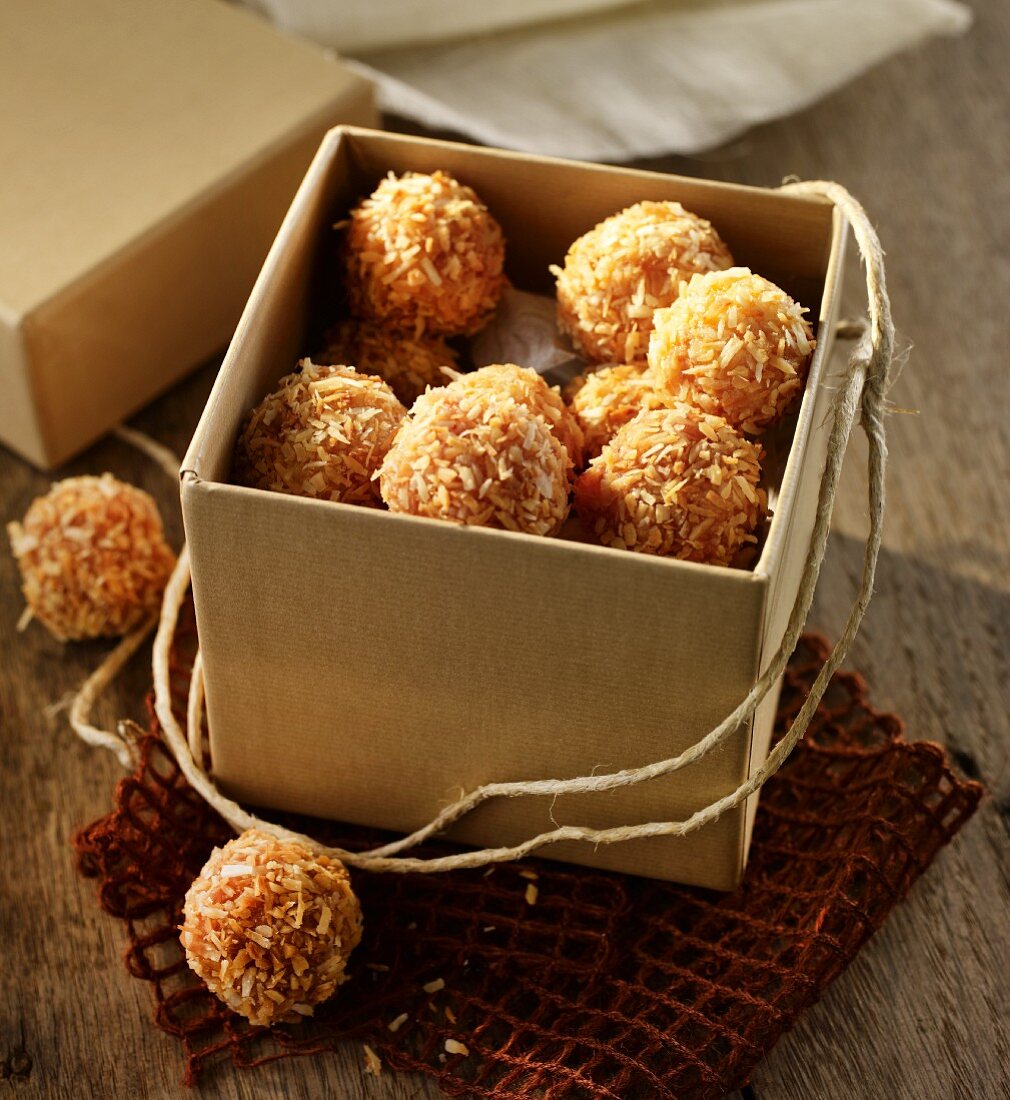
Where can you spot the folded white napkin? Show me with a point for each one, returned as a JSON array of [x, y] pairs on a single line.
[[611, 79]]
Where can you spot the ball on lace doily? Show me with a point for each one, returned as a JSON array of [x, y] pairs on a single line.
[[93, 557], [526, 387], [269, 926], [619, 273], [409, 364], [481, 458], [676, 482], [322, 433], [604, 400], [736, 345], [424, 254]]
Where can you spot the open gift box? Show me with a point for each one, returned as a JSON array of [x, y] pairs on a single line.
[[366, 666]]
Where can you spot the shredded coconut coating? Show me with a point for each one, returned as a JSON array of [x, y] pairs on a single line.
[[604, 400], [93, 557], [322, 433], [269, 927], [736, 345], [408, 364], [480, 458], [526, 387], [424, 254], [676, 482], [618, 274]]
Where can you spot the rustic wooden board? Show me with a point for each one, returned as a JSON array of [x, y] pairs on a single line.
[[923, 1012]]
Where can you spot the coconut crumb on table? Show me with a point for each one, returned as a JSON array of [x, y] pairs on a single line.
[[395, 1025], [531, 894], [373, 1063], [454, 1046], [434, 986]]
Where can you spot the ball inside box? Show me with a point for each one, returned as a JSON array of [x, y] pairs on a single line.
[[365, 666]]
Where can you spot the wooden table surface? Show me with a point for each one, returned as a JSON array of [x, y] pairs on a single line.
[[924, 1012]]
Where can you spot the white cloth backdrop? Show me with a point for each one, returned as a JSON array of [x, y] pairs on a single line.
[[611, 79]]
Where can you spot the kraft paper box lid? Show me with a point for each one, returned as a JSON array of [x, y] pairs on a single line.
[[151, 148]]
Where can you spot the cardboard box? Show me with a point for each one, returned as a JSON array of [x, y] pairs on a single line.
[[367, 666], [151, 148]]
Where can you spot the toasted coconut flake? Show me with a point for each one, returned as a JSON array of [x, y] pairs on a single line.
[[240, 940], [424, 254], [395, 1025], [322, 433], [454, 1046], [736, 345], [233, 870], [671, 483], [616, 275], [476, 456], [532, 893], [434, 986], [93, 558], [373, 1063], [409, 364]]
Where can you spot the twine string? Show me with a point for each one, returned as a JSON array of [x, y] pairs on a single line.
[[863, 393], [83, 702]]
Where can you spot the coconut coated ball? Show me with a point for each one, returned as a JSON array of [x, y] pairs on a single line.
[[525, 386], [268, 926], [736, 345], [479, 458], [676, 482], [93, 557], [424, 255], [408, 364], [604, 400], [619, 273], [322, 433]]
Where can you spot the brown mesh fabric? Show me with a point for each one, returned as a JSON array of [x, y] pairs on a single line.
[[605, 986]]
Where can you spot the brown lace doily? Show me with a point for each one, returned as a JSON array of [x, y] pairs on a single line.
[[604, 985]]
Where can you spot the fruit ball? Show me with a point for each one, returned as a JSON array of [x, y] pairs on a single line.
[[528, 388], [408, 364], [322, 433], [619, 273], [604, 400], [735, 345], [478, 457], [424, 255], [268, 926], [676, 482], [93, 558]]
